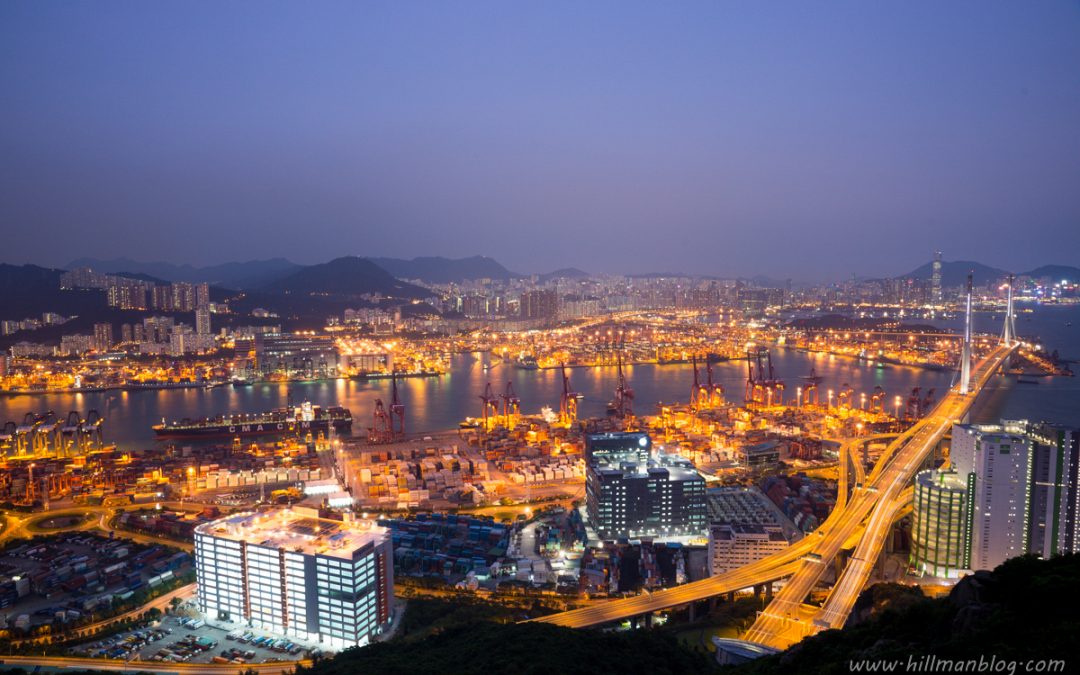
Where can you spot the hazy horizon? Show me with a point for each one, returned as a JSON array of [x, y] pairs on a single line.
[[803, 142]]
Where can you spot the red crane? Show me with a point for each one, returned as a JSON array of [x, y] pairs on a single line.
[[511, 404], [762, 385], [914, 404], [397, 410], [623, 405], [843, 399], [568, 404], [716, 391], [877, 400], [928, 401], [381, 430], [490, 406], [700, 396], [750, 392], [810, 389]]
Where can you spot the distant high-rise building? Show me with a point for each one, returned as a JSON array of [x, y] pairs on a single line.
[[202, 295], [161, 298], [308, 355], [103, 337], [125, 333], [181, 342], [183, 296], [158, 328], [935, 279], [202, 320], [126, 296], [539, 304]]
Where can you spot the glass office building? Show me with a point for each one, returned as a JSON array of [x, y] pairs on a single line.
[[941, 533]]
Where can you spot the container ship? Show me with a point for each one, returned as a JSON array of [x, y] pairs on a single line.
[[301, 419]]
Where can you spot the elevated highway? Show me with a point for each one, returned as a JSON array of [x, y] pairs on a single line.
[[872, 509], [783, 622]]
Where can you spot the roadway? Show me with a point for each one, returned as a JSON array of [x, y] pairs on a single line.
[[775, 566], [161, 602], [24, 525], [117, 665], [783, 622], [843, 525]]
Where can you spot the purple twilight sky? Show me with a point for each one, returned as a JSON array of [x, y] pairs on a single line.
[[803, 140]]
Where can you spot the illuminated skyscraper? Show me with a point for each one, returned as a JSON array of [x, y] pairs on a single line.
[[995, 463], [202, 321], [935, 280]]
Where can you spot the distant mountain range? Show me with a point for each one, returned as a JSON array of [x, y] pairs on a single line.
[[1055, 272], [439, 270], [564, 273], [263, 275], [29, 290], [257, 274], [348, 276], [955, 273], [240, 275]]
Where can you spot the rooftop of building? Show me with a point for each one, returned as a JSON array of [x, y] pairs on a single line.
[[297, 529], [732, 530], [674, 472], [944, 480]]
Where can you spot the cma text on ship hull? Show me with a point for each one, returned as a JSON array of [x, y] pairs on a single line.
[[301, 419]]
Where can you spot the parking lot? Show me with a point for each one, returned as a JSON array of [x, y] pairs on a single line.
[[183, 640]]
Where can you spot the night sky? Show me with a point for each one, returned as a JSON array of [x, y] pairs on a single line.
[[803, 140]]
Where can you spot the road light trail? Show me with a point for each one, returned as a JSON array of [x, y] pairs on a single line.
[[781, 625], [806, 560]]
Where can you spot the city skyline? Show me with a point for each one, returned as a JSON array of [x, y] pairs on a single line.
[[614, 139], [492, 337]]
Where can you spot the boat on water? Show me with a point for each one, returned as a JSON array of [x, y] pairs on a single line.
[[372, 375], [139, 385], [303, 418]]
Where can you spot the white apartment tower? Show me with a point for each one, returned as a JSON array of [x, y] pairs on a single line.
[[292, 573], [995, 463]]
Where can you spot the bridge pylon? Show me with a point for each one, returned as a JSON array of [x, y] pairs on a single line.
[[965, 352], [1008, 335]]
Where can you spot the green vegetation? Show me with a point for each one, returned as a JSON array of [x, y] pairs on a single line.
[[729, 619], [428, 616], [1025, 609], [485, 648], [474, 635]]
